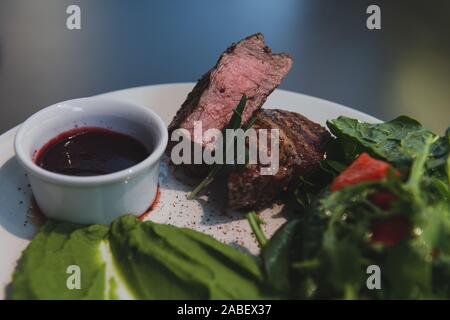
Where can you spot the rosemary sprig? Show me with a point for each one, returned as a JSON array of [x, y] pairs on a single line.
[[255, 223], [236, 118], [234, 123], [213, 171]]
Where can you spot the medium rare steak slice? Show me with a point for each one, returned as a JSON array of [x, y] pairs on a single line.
[[247, 67], [301, 148]]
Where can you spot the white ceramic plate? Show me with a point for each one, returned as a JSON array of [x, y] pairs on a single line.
[[205, 215]]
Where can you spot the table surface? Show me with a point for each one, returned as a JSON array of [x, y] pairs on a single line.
[[404, 68]]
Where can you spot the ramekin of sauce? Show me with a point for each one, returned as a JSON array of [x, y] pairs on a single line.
[[91, 160]]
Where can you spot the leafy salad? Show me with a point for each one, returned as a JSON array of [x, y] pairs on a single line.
[[389, 208], [381, 197]]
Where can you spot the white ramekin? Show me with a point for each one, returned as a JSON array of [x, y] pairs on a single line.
[[94, 199]]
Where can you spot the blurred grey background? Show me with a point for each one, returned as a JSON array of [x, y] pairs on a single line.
[[402, 69]]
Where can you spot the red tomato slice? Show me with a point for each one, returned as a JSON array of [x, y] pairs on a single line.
[[390, 231], [364, 168], [382, 199]]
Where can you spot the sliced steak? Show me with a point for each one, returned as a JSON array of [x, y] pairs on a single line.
[[301, 148], [247, 67]]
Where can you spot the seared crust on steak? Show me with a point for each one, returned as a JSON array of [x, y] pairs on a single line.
[[301, 148]]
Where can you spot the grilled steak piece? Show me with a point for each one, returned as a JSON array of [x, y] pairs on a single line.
[[247, 67], [301, 148]]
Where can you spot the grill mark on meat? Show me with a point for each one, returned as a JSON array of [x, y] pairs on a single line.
[[301, 148], [274, 120], [266, 120]]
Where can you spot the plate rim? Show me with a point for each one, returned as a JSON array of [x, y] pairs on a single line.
[[285, 91], [8, 136]]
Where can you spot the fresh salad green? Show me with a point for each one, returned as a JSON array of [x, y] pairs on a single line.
[[134, 260], [396, 217], [339, 234], [398, 141]]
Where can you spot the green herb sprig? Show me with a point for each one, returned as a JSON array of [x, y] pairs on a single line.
[[234, 124], [255, 223]]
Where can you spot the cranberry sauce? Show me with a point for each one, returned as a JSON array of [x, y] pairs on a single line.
[[90, 151]]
